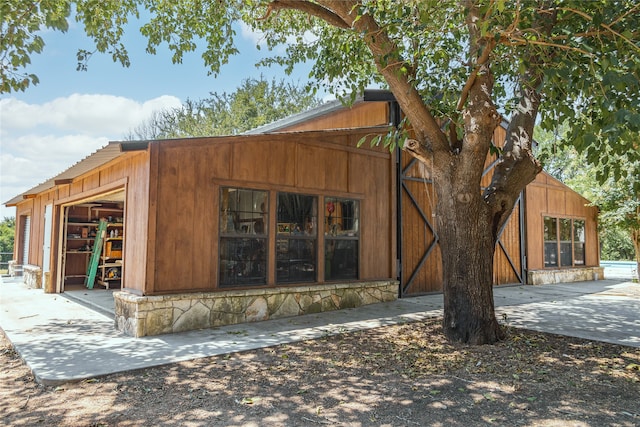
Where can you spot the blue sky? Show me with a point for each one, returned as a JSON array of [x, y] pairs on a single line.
[[71, 114]]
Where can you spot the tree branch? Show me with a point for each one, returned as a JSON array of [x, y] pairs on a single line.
[[491, 43], [309, 8], [389, 63]]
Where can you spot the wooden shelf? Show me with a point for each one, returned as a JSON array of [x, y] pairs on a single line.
[[84, 220], [110, 264]]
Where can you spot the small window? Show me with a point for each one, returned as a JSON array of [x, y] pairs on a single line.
[[566, 247], [578, 242], [564, 242], [243, 237], [341, 230], [296, 244], [550, 242]]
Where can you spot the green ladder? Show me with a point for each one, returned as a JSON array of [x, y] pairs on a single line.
[[95, 256]]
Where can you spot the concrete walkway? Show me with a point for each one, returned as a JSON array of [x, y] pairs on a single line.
[[62, 340]]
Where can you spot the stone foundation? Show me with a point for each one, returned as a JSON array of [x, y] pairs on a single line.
[[141, 316], [14, 268], [544, 277], [32, 276]]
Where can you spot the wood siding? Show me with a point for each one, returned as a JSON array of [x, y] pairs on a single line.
[[421, 256], [128, 172], [365, 114], [190, 174], [547, 196]]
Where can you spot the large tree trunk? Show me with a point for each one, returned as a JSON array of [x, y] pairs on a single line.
[[467, 217], [467, 247]]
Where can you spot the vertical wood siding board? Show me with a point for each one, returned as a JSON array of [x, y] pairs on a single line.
[[138, 221], [165, 248], [203, 211], [152, 225]]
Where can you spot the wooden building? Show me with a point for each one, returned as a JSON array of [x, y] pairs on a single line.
[[289, 219]]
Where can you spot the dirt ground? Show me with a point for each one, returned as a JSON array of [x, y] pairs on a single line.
[[402, 375]]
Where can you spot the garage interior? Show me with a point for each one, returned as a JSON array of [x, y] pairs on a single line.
[[92, 242]]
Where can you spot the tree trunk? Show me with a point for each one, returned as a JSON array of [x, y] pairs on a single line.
[[635, 236], [467, 243]]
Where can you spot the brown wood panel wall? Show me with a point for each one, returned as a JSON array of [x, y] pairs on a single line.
[[365, 114], [190, 176], [547, 196], [370, 176], [136, 228], [417, 236], [132, 167], [507, 257]]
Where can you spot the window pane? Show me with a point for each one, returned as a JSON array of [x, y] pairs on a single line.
[[296, 260], [341, 230], [243, 243], [550, 233], [566, 253], [296, 249], [243, 211], [297, 214], [341, 259], [578, 231], [578, 256], [565, 230], [243, 261], [578, 242], [550, 242], [341, 217]]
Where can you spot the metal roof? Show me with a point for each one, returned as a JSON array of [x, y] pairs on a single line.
[[295, 119], [95, 160], [373, 95]]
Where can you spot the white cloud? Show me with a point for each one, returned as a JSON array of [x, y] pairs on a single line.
[[38, 141], [259, 38], [255, 36], [91, 114]]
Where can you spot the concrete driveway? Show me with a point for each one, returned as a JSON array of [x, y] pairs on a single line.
[[62, 340]]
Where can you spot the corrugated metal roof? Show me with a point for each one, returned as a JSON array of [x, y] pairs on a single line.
[[92, 161], [305, 116]]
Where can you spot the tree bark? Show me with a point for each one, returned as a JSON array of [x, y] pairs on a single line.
[[467, 246], [635, 236]]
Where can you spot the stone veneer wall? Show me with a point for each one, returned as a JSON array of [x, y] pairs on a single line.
[[32, 276], [543, 277], [141, 316]]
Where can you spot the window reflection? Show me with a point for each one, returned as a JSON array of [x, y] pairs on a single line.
[[296, 243], [243, 237], [564, 242], [341, 230]]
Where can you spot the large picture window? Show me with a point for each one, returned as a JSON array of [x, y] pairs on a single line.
[[341, 231], [564, 242], [243, 237], [296, 249]]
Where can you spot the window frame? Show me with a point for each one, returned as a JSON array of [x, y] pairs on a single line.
[[305, 231], [243, 238], [560, 242], [331, 235]]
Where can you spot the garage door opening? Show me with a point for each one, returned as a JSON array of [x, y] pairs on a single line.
[[93, 239]]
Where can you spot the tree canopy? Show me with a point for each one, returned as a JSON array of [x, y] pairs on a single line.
[[457, 68], [583, 58], [256, 102]]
